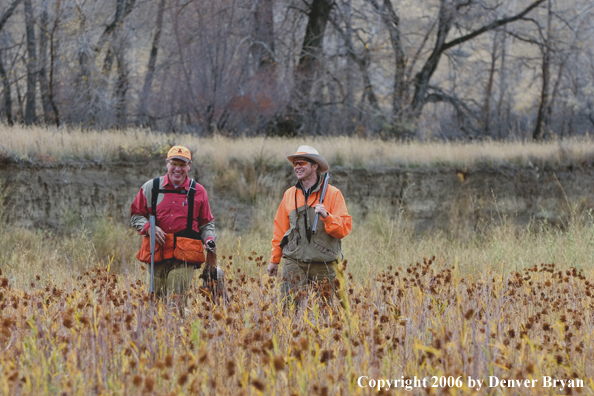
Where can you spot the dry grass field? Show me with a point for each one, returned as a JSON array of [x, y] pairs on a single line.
[[46, 145], [505, 303], [511, 304]]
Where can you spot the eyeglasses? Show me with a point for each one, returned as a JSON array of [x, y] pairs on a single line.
[[300, 163], [178, 164]]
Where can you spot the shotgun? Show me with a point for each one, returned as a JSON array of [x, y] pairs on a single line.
[[322, 195], [152, 218]]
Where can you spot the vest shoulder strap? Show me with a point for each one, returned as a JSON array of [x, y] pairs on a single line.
[[190, 194]]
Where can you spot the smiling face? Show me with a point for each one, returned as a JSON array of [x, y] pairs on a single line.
[[177, 170], [305, 170]]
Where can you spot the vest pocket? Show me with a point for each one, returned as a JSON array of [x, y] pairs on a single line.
[[189, 250], [144, 254], [290, 241], [325, 251], [168, 246]]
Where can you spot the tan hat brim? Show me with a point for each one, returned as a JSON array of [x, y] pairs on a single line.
[[318, 159]]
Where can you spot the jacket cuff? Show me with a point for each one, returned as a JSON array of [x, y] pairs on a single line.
[[329, 219], [145, 229]]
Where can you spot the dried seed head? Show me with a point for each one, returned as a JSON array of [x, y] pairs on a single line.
[[203, 356], [149, 384], [230, 368], [137, 380], [258, 385], [279, 363], [325, 356], [183, 379], [469, 314]]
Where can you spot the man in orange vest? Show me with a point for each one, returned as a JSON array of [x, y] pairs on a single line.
[[183, 224], [308, 256]]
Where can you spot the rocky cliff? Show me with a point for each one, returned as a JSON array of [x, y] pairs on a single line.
[[48, 196]]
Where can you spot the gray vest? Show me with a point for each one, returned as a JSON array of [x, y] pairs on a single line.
[[320, 248]]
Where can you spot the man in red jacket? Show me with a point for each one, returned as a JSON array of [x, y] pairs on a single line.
[[178, 222], [308, 257]]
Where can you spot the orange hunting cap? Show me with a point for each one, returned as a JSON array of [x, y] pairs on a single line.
[[179, 152]]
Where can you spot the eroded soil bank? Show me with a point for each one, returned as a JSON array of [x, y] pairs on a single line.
[[50, 196]]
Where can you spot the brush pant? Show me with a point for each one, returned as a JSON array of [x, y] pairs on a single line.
[[172, 277], [299, 277]]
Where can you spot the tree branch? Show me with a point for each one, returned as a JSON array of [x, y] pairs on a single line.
[[491, 26], [8, 13]]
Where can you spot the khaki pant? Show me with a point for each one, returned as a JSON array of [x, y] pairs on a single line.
[[172, 277], [298, 276]]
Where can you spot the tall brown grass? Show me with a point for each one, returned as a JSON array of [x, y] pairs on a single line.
[[432, 310], [66, 144]]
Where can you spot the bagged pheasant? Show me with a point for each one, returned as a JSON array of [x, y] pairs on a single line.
[[213, 279]]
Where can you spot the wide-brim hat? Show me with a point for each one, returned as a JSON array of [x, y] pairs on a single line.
[[312, 154], [180, 153]]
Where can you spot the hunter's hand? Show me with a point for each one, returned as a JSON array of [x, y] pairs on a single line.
[[272, 269], [211, 245], [159, 235], [321, 209]]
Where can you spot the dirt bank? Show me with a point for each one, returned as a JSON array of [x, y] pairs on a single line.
[[50, 196]]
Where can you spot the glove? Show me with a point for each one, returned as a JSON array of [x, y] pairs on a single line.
[[211, 245]]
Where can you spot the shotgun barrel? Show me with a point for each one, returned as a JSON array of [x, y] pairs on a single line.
[[322, 195], [152, 220]]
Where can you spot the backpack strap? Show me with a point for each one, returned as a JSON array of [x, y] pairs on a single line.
[[191, 192], [190, 196], [164, 191]]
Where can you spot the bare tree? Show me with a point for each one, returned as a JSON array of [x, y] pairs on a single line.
[[31, 63], [263, 47], [5, 81], [449, 68], [150, 72], [44, 36], [318, 15], [542, 117]]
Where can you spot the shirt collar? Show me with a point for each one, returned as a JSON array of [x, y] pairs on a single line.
[[313, 188], [185, 185]]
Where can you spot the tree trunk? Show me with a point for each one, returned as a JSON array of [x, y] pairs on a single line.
[[301, 105], [392, 20], [312, 47], [121, 89], [421, 81], [43, 80], [263, 48], [150, 72], [502, 88], [7, 95], [31, 63], [541, 119], [489, 89], [51, 71], [3, 76], [109, 56]]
